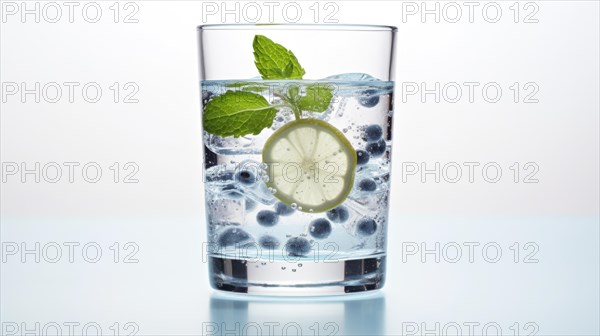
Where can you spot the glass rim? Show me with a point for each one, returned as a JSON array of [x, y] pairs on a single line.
[[299, 27]]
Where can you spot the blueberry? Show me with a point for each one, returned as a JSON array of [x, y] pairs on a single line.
[[267, 218], [250, 204], [320, 228], [366, 227], [268, 242], [234, 236], [362, 157], [369, 98], [367, 185], [376, 149], [374, 133], [297, 246], [339, 214], [283, 209], [206, 96], [245, 177]]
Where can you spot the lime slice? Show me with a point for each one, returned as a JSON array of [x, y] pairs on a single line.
[[311, 165]]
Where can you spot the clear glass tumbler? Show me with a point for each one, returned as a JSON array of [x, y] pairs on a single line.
[[297, 129]]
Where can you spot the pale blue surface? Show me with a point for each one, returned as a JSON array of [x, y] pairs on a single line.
[[354, 315], [167, 291]]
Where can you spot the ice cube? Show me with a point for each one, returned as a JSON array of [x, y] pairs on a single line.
[[218, 175], [352, 77], [260, 193], [231, 145], [225, 211]]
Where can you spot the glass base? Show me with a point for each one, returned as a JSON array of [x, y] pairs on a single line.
[[298, 278]]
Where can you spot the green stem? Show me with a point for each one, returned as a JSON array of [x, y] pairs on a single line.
[[296, 111], [291, 104]]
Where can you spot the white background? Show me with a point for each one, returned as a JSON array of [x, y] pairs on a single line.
[[166, 291]]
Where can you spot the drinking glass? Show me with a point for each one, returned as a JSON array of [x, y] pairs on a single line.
[[297, 130]]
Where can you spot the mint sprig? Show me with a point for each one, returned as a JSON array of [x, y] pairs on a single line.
[[238, 113]]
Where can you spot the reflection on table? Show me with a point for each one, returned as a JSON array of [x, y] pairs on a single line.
[[361, 314]]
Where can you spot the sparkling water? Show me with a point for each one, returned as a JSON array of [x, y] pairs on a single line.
[[247, 223]]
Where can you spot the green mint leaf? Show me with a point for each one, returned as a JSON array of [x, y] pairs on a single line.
[[237, 113], [317, 98], [289, 69], [293, 92], [274, 61]]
